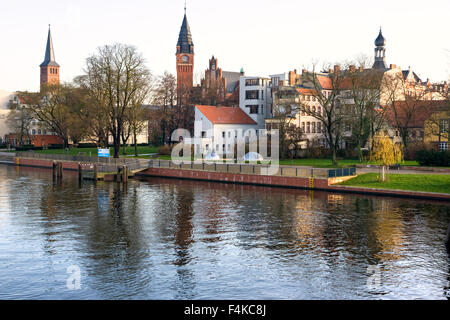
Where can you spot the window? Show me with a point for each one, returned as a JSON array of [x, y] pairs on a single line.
[[444, 126], [252, 94], [207, 147], [314, 110], [39, 131], [303, 127], [443, 146], [253, 109], [313, 127], [308, 127], [251, 82], [33, 131], [217, 147], [203, 134], [223, 134], [319, 127]]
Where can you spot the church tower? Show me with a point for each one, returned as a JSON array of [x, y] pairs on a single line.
[[49, 68], [185, 57], [380, 52]]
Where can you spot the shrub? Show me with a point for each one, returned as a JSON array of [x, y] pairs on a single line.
[[433, 158], [410, 152], [55, 146], [87, 145]]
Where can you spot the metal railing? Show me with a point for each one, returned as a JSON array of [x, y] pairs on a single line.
[[254, 169]]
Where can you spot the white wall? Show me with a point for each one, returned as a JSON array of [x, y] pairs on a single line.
[[214, 134]]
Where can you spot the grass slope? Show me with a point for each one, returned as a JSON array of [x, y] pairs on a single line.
[[413, 182]]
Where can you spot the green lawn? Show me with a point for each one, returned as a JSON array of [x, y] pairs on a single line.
[[326, 163], [413, 182]]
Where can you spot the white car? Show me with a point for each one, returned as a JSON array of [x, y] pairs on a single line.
[[212, 157], [253, 156]]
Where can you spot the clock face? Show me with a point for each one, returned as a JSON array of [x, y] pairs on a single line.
[[185, 59], [214, 67]]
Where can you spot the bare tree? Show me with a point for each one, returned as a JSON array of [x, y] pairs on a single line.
[[19, 120], [59, 108], [115, 74], [404, 102], [165, 97], [328, 90], [364, 100]]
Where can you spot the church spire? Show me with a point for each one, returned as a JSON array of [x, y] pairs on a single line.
[[380, 52], [185, 43], [49, 59]]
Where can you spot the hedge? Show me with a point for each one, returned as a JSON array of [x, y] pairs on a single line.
[[433, 158]]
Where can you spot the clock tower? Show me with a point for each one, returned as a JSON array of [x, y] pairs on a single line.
[[185, 57]]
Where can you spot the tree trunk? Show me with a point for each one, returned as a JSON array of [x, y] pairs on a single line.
[[135, 144]]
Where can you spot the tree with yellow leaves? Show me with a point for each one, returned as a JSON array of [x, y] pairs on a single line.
[[385, 152]]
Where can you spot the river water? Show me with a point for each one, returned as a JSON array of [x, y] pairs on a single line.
[[171, 239]]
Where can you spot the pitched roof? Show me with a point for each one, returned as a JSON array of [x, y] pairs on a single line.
[[414, 113], [307, 92], [325, 82], [185, 37], [49, 59], [225, 115]]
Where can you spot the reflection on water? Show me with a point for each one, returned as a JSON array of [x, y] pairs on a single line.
[[171, 239]]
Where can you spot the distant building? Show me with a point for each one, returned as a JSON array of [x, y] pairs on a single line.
[[185, 57], [256, 98], [49, 68], [220, 87]]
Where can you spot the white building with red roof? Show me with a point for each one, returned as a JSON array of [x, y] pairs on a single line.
[[220, 128]]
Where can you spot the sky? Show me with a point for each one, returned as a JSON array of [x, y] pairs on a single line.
[[263, 36]]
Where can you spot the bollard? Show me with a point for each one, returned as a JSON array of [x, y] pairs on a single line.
[[80, 172], [95, 172], [125, 174], [54, 169], [119, 174]]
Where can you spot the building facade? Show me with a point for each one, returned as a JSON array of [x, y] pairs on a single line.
[[256, 98]]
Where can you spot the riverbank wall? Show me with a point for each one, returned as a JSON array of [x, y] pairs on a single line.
[[308, 183]]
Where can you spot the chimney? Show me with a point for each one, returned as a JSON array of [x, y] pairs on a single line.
[[304, 71], [352, 68], [337, 69], [392, 66], [361, 69]]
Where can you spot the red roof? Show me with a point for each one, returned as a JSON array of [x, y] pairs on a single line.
[[307, 92], [325, 82], [413, 114], [225, 115]]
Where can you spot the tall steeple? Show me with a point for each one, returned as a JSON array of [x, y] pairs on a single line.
[[380, 52], [185, 56], [49, 68]]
